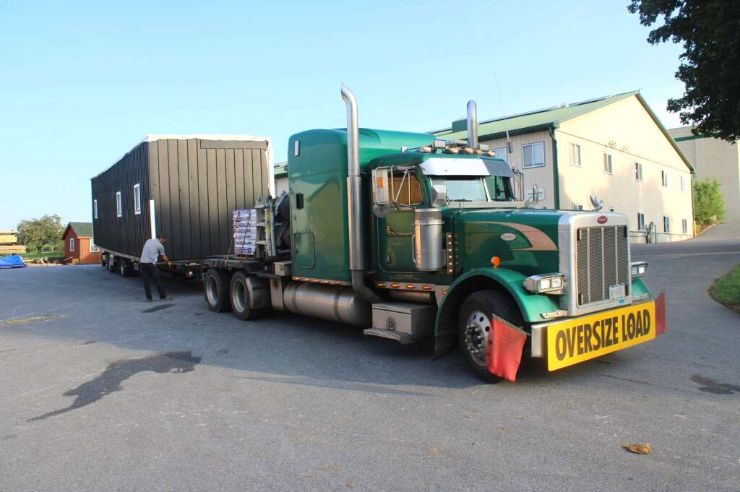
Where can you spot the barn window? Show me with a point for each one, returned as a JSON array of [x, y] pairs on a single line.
[[137, 198], [119, 205], [575, 155], [533, 154], [664, 179], [93, 248], [666, 224], [608, 163], [638, 171], [640, 221], [95, 208], [71, 245]]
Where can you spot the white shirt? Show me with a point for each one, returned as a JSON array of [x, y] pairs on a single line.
[[153, 249]]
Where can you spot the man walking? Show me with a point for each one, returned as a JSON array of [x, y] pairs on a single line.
[[153, 249]]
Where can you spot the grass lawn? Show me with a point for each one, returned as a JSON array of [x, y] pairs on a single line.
[[726, 289]]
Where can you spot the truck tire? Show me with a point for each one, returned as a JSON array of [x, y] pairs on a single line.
[[474, 327], [241, 303], [124, 268], [216, 290]]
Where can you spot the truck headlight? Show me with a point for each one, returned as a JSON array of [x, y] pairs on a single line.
[[552, 283], [638, 268]]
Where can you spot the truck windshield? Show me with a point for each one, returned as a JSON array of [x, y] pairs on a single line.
[[500, 188], [463, 188]]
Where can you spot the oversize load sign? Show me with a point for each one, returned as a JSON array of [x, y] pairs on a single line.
[[588, 337]]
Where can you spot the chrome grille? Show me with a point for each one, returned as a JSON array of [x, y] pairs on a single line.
[[601, 259]]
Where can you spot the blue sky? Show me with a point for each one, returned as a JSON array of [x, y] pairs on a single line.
[[83, 82]]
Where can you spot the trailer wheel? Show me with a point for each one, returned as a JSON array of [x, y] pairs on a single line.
[[124, 268], [241, 303], [474, 327], [216, 290]]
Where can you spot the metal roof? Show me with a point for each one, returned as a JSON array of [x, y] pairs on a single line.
[[551, 118], [81, 229]]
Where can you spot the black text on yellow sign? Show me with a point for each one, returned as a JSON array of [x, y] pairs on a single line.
[[587, 337]]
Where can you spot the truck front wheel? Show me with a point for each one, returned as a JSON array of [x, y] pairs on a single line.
[[216, 290], [474, 327]]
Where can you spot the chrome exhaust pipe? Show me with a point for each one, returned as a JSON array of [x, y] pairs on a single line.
[[354, 200], [472, 124]]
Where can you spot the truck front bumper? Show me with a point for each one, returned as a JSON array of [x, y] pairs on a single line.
[[574, 340]]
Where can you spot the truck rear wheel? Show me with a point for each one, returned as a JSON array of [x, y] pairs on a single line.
[[474, 327], [124, 268], [216, 290], [241, 302]]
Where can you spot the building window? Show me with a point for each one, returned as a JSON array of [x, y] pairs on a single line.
[[137, 198], [95, 208], [664, 179], [666, 224], [93, 248], [119, 205], [638, 171], [607, 163], [71, 245], [640, 221], [685, 226], [534, 154], [683, 183], [502, 153], [575, 155]]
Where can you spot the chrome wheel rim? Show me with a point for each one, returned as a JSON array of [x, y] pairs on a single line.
[[238, 297], [211, 291], [475, 337]]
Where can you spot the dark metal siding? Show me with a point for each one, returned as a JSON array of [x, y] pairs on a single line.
[[195, 185], [125, 234]]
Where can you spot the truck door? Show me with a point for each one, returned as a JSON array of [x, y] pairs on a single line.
[[395, 231]]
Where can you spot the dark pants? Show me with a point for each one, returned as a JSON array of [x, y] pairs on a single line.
[[150, 271]]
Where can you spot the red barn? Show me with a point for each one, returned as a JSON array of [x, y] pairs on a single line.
[[78, 244]]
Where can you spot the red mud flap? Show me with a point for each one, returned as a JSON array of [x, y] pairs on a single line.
[[660, 324], [505, 348]]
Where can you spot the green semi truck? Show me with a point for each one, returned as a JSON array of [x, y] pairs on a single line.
[[411, 237]]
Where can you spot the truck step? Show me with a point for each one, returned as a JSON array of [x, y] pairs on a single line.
[[402, 338]]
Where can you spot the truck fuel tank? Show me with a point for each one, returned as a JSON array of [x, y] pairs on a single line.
[[332, 302]]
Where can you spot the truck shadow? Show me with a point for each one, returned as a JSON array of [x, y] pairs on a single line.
[[96, 307]]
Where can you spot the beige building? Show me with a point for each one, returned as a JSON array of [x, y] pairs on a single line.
[[714, 159], [613, 148]]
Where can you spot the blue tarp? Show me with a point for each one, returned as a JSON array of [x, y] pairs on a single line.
[[12, 261]]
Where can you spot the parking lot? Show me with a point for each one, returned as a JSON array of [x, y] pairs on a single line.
[[101, 390]]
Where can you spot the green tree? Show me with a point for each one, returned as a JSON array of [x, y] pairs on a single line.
[[709, 206], [37, 234], [710, 64]]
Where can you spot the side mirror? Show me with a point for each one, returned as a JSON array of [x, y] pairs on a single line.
[[381, 186], [439, 195]]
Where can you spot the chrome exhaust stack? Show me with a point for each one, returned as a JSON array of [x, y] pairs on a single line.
[[472, 124], [354, 200]]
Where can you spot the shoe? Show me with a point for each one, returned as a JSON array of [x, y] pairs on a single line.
[[168, 298]]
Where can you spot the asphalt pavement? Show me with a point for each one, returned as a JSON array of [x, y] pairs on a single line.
[[100, 390]]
